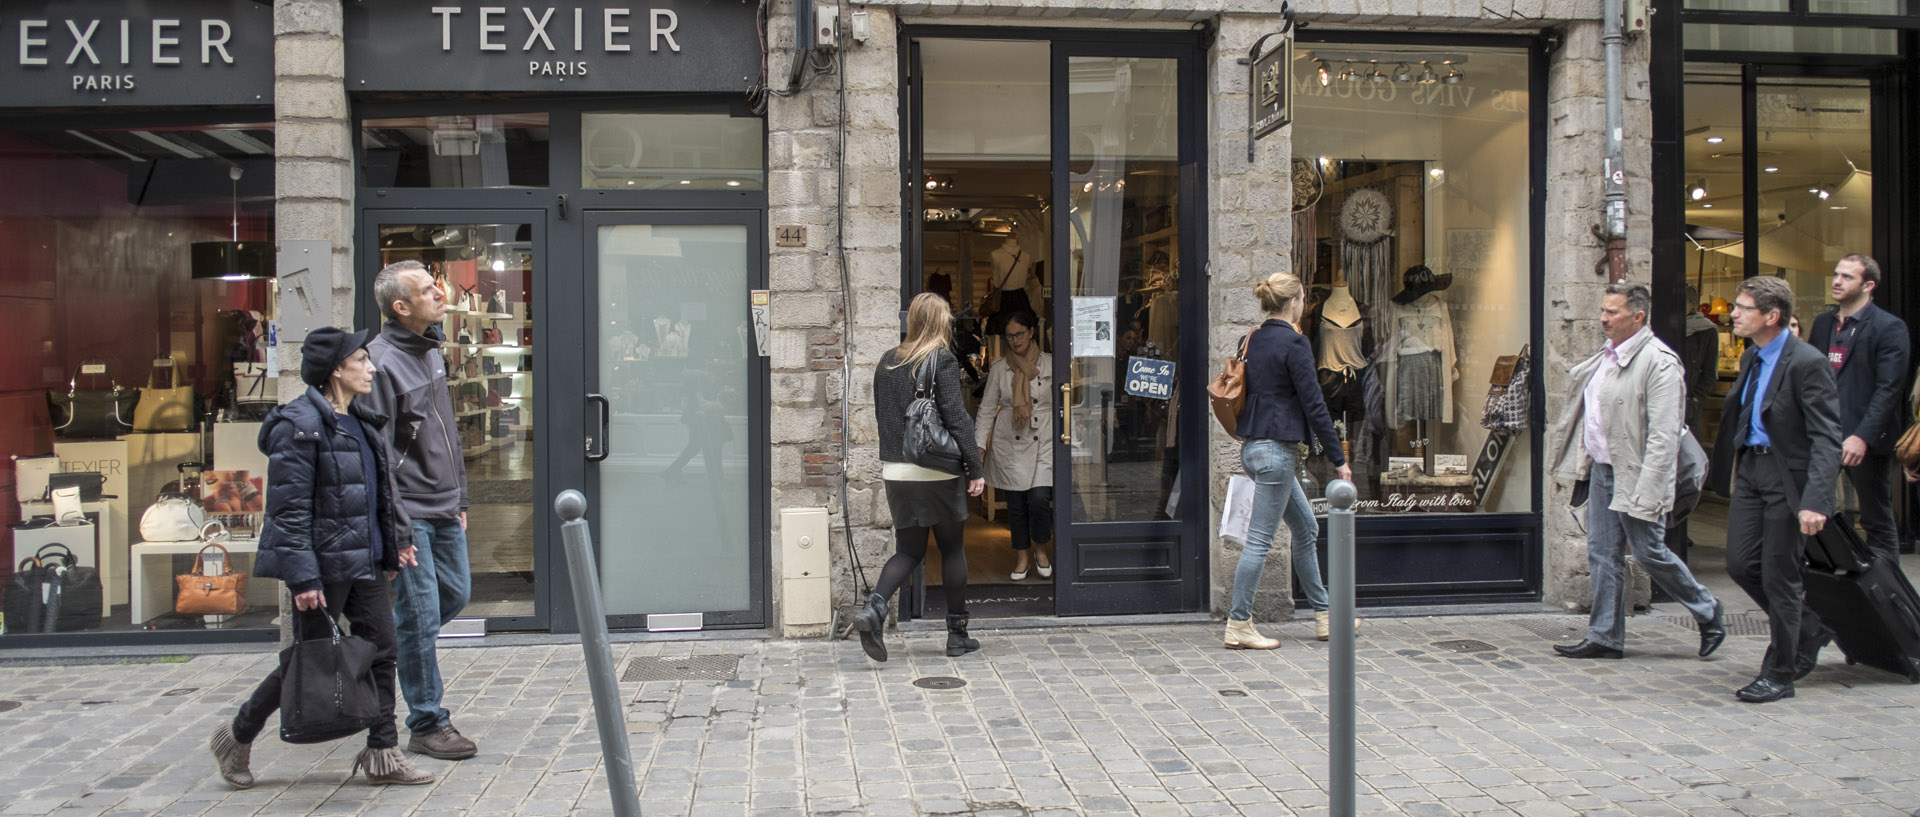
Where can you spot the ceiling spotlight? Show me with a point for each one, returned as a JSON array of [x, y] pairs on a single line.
[[1771, 169], [1698, 190], [1403, 74], [1824, 194], [1714, 140], [1325, 74], [1708, 205], [1453, 76], [1346, 71], [1426, 74]]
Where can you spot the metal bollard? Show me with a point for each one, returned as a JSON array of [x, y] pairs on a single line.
[[608, 710], [1340, 737]]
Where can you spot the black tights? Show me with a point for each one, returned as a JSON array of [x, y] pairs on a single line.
[[910, 549]]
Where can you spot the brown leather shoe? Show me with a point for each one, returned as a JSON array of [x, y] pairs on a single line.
[[445, 743]]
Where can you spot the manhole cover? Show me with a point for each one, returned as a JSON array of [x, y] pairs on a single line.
[[9, 706], [1737, 623], [1233, 693], [683, 668], [1464, 645], [939, 682]]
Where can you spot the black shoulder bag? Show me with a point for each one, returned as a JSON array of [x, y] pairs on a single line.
[[927, 442]]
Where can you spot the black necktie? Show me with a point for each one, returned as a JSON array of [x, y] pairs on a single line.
[[1747, 408]]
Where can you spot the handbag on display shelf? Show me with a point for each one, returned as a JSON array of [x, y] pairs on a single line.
[[53, 593], [1228, 391], [1508, 400], [90, 413], [33, 476], [498, 303], [220, 594], [252, 385], [168, 407], [172, 518], [92, 484], [489, 335]]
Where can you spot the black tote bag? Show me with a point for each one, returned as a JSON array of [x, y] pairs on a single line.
[[327, 692]]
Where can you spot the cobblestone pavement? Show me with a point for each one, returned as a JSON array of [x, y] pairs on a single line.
[[1150, 720]]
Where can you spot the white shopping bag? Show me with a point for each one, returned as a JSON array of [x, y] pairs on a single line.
[[1237, 513]]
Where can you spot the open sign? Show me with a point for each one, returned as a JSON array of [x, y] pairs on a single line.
[[1147, 377]]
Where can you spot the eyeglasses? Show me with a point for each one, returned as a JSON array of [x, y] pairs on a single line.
[[1019, 335], [1737, 306]]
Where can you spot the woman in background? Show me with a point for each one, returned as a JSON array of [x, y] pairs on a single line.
[[1014, 427]]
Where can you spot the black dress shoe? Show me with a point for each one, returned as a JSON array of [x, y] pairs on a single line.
[[1714, 632], [1810, 655], [1588, 649], [1764, 690]]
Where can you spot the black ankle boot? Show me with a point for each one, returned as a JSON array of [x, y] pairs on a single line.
[[871, 622], [957, 641]]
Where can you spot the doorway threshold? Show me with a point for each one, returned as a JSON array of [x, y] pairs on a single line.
[[938, 624]]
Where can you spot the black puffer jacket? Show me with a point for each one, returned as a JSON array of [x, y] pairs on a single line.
[[316, 530]]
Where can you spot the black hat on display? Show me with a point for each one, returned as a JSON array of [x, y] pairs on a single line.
[[325, 349], [1418, 281]]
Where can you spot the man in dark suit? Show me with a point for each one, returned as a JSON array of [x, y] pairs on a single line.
[[1867, 347], [1781, 424]]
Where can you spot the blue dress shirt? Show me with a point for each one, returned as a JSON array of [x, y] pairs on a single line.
[[1769, 355]]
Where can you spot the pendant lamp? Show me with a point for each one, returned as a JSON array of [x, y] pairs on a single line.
[[232, 260]]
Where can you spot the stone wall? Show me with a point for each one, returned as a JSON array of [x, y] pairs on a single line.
[[313, 152]]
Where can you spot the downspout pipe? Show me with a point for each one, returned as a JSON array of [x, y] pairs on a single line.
[[1613, 39]]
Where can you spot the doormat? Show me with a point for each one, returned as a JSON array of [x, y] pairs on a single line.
[[997, 601], [500, 491]]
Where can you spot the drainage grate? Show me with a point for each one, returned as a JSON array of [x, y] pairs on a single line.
[[1737, 623], [1557, 628], [684, 668], [1464, 645], [939, 682], [84, 661]]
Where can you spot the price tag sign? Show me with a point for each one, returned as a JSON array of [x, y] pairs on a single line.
[[1147, 377]]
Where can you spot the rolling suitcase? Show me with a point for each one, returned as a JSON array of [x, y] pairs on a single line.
[[1867, 602]]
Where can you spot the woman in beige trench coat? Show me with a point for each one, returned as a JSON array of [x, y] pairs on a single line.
[[1014, 429]]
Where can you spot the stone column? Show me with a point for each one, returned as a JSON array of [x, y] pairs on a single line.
[[1576, 121], [813, 326], [1251, 232]]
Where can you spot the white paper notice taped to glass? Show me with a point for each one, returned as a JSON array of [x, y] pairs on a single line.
[[1093, 326]]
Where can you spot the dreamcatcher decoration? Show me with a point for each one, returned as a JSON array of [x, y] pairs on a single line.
[[1366, 245]]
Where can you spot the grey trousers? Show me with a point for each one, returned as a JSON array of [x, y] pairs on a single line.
[[1609, 535]]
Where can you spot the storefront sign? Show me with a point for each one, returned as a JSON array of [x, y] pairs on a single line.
[[592, 46], [1147, 377], [1270, 84], [89, 53]]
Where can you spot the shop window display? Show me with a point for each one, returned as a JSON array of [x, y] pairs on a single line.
[[135, 303], [1411, 229]]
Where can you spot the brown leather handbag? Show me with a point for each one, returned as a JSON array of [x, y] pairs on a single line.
[[224, 594], [1228, 391], [1908, 448]]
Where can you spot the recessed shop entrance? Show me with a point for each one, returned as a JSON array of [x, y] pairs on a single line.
[[1064, 175]]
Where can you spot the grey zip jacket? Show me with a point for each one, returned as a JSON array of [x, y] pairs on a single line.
[[410, 388]]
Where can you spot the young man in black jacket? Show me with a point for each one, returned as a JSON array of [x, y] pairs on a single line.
[[1867, 347], [430, 475]]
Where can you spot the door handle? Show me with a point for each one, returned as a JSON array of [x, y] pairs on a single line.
[[606, 419], [1066, 413]]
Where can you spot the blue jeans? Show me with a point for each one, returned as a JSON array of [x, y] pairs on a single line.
[[1276, 494], [426, 597], [1610, 534]]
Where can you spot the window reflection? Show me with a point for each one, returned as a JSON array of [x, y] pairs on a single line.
[[488, 150]]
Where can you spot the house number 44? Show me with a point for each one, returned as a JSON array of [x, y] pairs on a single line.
[[790, 235]]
